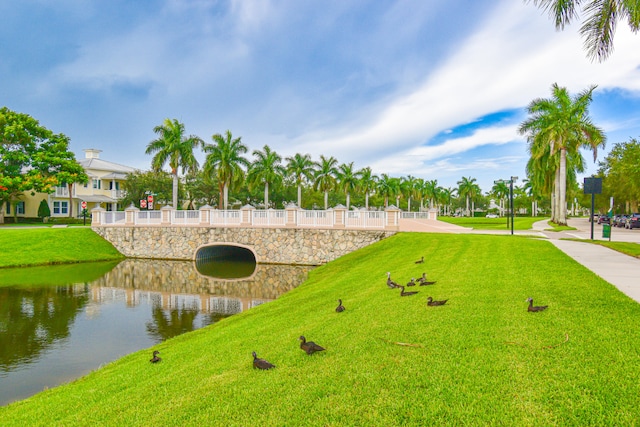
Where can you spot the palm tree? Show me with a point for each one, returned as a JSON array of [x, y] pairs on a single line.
[[388, 187], [430, 190], [301, 168], [444, 196], [599, 25], [408, 188], [172, 146], [501, 191], [468, 189], [325, 178], [367, 183], [347, 180], [266, 169], [561, 126], [225, 160]]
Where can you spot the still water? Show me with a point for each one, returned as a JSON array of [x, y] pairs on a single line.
[[58, 323]]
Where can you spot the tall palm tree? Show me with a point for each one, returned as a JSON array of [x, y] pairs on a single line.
[[408, 188], [600, 22], [501, 191], [301, 168], [347, 180], [388, 187], [225, 160], [430, 190], [468, 189], [367, 183], [444, 197], [325, 178], [266, 169], [173, 146], [561, 126]]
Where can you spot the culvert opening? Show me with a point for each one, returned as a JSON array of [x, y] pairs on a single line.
[[225, 261]]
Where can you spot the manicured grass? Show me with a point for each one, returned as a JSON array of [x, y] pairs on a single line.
[[482, 223], [556, 227], [482, 359], [628, 248], [38, 246]]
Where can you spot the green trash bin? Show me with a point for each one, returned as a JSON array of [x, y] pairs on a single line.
[[606, 231]]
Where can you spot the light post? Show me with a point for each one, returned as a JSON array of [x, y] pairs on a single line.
[[510, 182]]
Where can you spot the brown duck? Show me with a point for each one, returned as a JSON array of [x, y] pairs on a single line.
[[309, 347], [432, 303], [412, 282], [390, 283], [423, 280], [420, 261], [261, 363], [535, 308], [407, 293], [340, 308], [155, 358]]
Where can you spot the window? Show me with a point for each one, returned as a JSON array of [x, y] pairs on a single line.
[[96, 184], [20, 208], [7, 208], [60, 208]]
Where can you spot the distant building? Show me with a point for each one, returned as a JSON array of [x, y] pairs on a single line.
[[103, 189]]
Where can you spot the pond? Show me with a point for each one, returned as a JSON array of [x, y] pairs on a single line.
[[58, 323]]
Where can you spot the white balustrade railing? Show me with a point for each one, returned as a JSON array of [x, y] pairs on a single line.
[[113, 217], [366, 219], [268, 217], [224, 217], [415, 215], [148, 217], [185, 217], [314, 218]]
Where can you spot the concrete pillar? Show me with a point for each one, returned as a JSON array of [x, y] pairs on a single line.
[[166, 215], [393, 218], [246, 212], [291, 211], [433, 214], [96, 215], [130, 215], [340, 216], [205, 214]]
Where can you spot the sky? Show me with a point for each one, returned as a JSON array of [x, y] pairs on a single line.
[[433, 89]]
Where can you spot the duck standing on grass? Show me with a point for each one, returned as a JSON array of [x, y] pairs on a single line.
[[309, 347], [155, 358], [390, 283], [261, 363]]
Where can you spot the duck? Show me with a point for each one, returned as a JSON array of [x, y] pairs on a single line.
[[309, 347], [406, 294], [535, 308], [423, 280], [155, 358], [340, 308], [420, 261], [432, 303], [412, 282], [390, 283], [261, 363]]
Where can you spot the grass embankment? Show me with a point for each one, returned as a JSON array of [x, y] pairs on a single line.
[[482, 223], [482, 359], [40, 246]]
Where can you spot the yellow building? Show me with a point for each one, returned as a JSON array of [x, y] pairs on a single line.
[[103, 189]]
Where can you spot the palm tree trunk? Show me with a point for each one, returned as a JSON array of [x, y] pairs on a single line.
[[562, 203], [409, 205], [300, 196], [326, 200], [70, 200], [226, 196], [467, 205], [556, 198], [266, 195], [366, 200], [348, 199], [175, 190]]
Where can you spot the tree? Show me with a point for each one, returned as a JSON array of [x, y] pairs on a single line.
[[366, 184], [266, 169], [501, 191], [468, 189], [325, 178], [621, 173], [430, 191], [174, 147], [408, 188], [137, 186], [301, 168], [43, 210], [225, 160], [600, 22], [561, 126], [347, 180], [26, 151], [388, 187]]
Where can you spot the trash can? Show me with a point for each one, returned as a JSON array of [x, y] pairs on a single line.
[[606, 231]]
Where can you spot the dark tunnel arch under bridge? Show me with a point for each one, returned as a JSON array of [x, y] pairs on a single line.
[[225, 260]]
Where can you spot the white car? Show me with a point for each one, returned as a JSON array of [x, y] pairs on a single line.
[[491, 216]]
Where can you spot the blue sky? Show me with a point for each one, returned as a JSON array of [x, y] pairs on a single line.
[[434, 89]]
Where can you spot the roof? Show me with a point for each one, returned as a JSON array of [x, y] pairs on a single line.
[[97, 199], [103, 165]]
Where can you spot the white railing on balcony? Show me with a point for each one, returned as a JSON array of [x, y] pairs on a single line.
[[148, 217], [224, 217], [366, 219], [117, 194], [185, 217], [113, 217], [268, 217], [62, 192], [314, 218]]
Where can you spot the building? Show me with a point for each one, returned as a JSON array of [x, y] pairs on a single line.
[[102, 190]]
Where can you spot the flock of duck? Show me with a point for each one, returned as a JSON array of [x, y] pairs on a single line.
[[311, 347]]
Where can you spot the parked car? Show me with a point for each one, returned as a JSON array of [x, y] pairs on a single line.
[[491, 216], [633, 221], [619, 220], [604, 219]]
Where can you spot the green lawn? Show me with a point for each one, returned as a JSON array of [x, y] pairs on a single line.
[[482, 223], [482, 359], [38, 246], [628, 248]]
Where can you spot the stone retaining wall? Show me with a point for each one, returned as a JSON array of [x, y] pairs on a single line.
[[301, 246]]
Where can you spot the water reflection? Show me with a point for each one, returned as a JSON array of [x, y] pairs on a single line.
[[60, 322]]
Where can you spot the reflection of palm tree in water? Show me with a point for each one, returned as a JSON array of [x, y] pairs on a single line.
[[168, 323], [32, 319]]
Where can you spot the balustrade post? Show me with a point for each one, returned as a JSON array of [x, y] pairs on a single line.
[[165, 213], [393, 217], [290, 219], [433, 214], [246, 212], [96, 216], [130, 215], [340, 215], [205, 214]]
